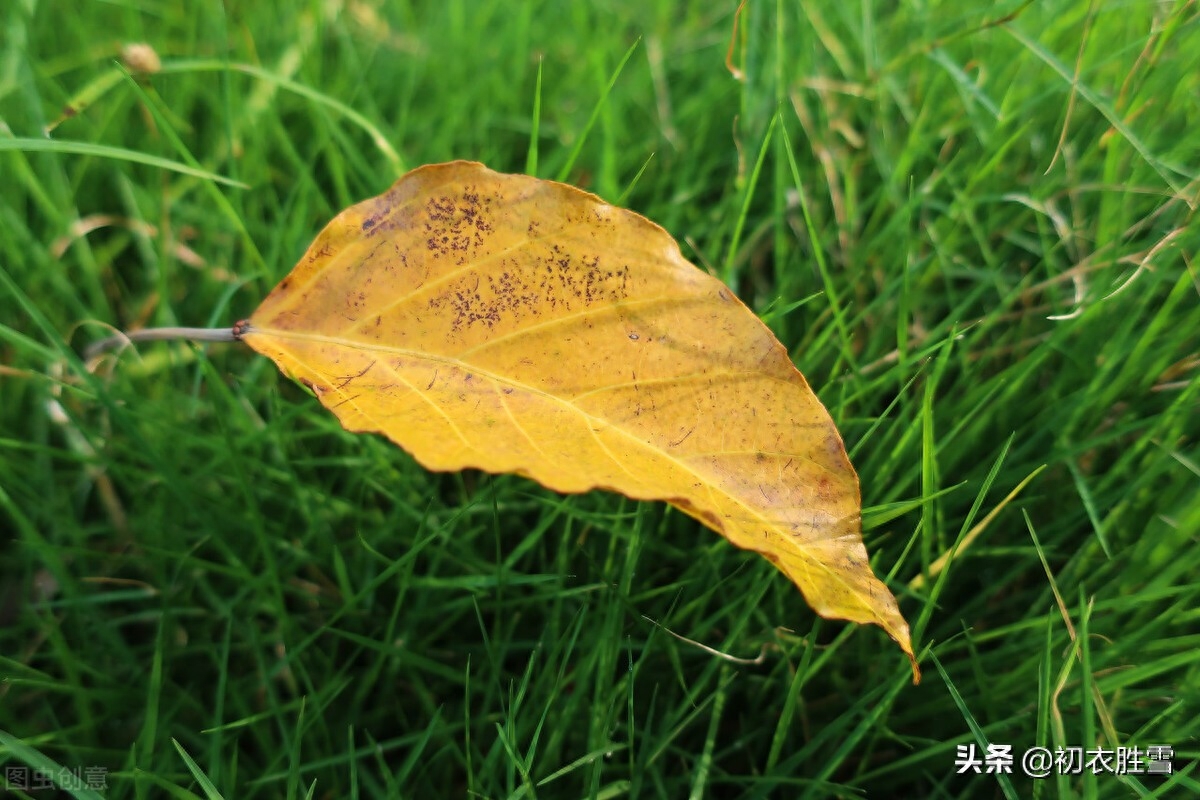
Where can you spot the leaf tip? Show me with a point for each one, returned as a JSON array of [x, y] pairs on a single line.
[[899, 632], [912, 660]]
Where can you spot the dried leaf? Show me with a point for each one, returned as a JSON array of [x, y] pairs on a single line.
[[517, 325]]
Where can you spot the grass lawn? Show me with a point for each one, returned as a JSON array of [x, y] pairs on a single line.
[[972, 225]]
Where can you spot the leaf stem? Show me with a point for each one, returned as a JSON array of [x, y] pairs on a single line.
[[157, 335]]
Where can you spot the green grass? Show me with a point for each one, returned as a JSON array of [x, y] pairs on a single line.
[[974, 234]]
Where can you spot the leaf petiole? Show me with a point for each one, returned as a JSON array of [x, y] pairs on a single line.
[[121, 340]]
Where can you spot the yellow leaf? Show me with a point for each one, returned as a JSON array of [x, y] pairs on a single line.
[[512, 324]]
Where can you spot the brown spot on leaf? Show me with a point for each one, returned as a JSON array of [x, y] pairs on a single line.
[[345, 381]]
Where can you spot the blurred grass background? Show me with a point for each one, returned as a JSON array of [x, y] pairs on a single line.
[[972, 224]]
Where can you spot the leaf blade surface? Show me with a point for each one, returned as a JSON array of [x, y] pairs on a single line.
[[511, 324]]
